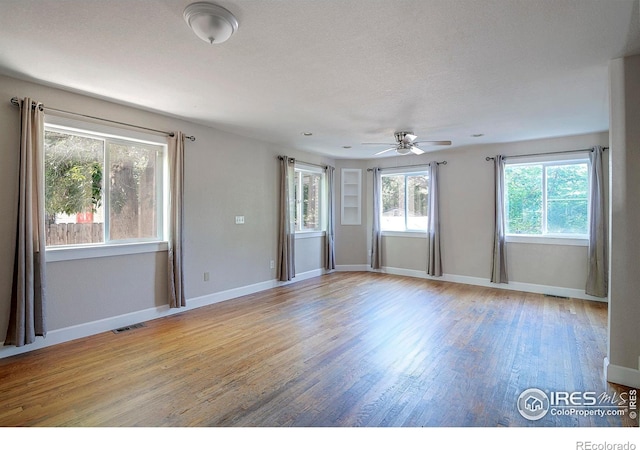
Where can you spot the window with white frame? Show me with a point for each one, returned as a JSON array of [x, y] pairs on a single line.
[[547, 198], [404, 199], [101, 188], [309, 195]]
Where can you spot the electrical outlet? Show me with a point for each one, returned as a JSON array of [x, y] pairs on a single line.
[[272, 265], [206, 276], [239, 220]]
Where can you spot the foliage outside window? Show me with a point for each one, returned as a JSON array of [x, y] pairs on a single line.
[[404, 201], [101, 189], [308, 194], [547, 199]]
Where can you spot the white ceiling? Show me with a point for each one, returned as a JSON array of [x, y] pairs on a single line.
[[350, 71]]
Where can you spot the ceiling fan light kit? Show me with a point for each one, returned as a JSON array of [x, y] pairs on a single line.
[[211, 23], [406, 143]]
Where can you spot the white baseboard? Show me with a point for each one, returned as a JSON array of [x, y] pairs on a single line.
[[100, 326], [621, 375], [512, 286], [353, 268]]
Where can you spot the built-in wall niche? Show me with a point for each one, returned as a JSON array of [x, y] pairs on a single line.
[[351, 190]]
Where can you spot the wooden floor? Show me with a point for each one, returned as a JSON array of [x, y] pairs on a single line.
[[344, 350]]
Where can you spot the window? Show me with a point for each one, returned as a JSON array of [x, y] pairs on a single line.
[[309, 192], [101, 189], [404, 201], [547, 198]]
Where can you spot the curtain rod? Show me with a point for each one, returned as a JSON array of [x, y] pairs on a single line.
[[304, 162], [16, 102], [491, 158], [444, 163]]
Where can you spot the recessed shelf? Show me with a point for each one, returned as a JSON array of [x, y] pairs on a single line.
[[351, 181]]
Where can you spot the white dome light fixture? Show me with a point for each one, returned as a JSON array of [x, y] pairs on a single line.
[[211, 23]]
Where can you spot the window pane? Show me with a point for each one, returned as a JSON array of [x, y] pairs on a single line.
[[311, 201], [523, 202], [392, 203], [417, 188], [567, 198], [133, 191], [567, 216], [74, 169]]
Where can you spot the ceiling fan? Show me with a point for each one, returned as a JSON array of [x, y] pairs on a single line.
[[406, 143]]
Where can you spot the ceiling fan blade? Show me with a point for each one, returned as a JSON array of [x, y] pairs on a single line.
[[385, 151], [409, 138], [434, 142], [378, 143], [416, 150]]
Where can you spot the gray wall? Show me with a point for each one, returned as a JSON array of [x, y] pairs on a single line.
[[229, 175], [225, 175], [624, 286], [466, 219]]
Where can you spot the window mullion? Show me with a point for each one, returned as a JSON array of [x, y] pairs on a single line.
[[544, 200], [299, 226], [106, 197], [159, 195], [406, 198]]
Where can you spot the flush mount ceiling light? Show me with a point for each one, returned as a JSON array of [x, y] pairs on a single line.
[[211, 23]]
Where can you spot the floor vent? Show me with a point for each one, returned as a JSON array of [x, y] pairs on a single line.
[[556, 296], [128, 328]]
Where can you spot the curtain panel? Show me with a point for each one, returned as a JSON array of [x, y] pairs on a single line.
[[286, 235], [330, 251], [176, 221], [376, 234], [499, 261], [27, 317], [597, 279], [434, 258]]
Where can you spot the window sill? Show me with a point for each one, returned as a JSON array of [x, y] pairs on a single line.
[[407, 234], [548, 240], [309, 234], [100, 251]]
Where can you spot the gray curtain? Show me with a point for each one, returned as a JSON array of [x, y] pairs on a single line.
[[499, 263], [597, 279], [286, 237], [330, 251], [28, 299], [176, 221], [376, 235], [434, 261]]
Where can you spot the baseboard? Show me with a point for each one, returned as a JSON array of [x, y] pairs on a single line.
[[88, 329], [512, 286], [621, 375], [353, 268], [100, 326]]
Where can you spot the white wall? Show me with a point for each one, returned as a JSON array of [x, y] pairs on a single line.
[[225, 175], [466, 220]]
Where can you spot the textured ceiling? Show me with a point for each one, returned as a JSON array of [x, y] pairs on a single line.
[[349, 71]]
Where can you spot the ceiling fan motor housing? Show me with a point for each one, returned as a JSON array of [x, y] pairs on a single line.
[[401, 137]]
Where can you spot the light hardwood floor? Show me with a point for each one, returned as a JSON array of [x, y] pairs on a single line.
[[345, 349]]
